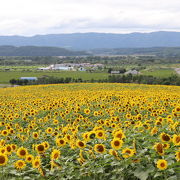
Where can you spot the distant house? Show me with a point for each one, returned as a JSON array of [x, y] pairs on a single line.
[[115, 72], [81, 69], [44, 68], [133, 72], [62, 68], [29, 78]]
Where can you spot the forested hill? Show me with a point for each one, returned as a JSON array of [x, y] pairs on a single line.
[[173, 52], [38, 51], [87, 41]]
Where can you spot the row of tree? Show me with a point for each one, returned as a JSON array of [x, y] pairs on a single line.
[[139, 79]]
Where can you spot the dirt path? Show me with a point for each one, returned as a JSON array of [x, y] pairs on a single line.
[[6, 85], [177, 70]]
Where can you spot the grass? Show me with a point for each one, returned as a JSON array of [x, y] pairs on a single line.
[[162, 73], [6, 76]]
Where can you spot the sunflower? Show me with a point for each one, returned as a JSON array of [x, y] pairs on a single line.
[[29, 158], [159, 148], [127, 152], [55, 164], [100, 134], [178, 155], [8, 149], [46, 145], [2, 142], [91, 135], [3, 159], [40, 148], [87, 111], [80, 144], [81, 161], [165, 137], [20, 164], [55, 121], [119, 134], [41, 171], [176, 140], [22, 152], [86, 136], [60, 142], [99, 148], [162, 164], [49, 130], [116, 143], [4, 132], [114, 153], [68, 137], [154, 131], [55, 154], [3, 150], [177, 109], [14, 147], [166, 146], [35, 135], [36, 162]]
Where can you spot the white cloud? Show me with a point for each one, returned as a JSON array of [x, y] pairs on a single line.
[[29, 17]]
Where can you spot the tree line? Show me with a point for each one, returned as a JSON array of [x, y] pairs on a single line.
[[129, 78]]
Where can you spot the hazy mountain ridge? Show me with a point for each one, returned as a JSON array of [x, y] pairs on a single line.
[[86, 41], [37, 51]]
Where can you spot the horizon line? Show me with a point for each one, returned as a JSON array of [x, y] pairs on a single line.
[[91, 32]]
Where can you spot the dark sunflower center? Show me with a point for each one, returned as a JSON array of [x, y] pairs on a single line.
[[166, 137], [178, 139], [100, 148], [116, 143], [160, 148], [2, 159], [22, 152], [81, 144], [162, 164], [61, 142], [36, 163], [20, 164], [128, 151], [40, 148], [8, 148], [56, 155]]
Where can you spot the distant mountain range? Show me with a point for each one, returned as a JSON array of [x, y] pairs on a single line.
[[38, 51], [88, 41]]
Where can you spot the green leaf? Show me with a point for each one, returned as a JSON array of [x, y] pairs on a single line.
[[157, 174], [173, 178], [141, 174]]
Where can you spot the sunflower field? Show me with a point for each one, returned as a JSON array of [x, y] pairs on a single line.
[[90, 131]]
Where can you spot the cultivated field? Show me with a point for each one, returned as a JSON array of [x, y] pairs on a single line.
[[90, 131], [6, 76], [15, 72]]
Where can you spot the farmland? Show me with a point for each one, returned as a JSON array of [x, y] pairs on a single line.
[[159, 71], [6, 76], [90, 131]]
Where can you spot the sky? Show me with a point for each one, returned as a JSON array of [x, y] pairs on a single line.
[[32, 17]]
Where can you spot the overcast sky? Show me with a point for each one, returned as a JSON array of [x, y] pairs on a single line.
[[31, 17]]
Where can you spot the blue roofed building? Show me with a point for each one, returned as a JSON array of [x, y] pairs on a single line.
[[29, 78]]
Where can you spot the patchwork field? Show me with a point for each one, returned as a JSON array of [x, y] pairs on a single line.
[[158, 72], [90, 131], [6, 76]]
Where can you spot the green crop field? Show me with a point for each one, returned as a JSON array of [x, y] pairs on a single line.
[[6, 76], [166, 72]]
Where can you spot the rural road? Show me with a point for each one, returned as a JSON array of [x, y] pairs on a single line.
[[177, 70]]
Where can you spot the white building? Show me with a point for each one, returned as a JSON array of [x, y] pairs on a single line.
[[133, 72]]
